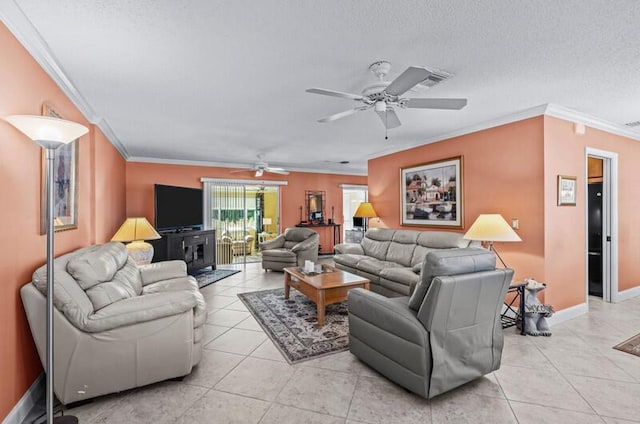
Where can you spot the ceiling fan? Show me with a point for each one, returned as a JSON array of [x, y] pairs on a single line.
[[384, 95], [261, 167]]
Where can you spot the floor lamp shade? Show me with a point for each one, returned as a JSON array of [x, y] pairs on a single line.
[[492, 228], [365, 210], [136, 231], [49, 133]]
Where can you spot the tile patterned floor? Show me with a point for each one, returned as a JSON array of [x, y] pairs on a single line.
[[572, 377]]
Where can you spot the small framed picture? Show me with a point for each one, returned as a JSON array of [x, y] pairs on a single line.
[[566, 190]]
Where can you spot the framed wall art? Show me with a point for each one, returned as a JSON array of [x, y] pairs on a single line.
[[567, 190], [65, 186], [431, 194]]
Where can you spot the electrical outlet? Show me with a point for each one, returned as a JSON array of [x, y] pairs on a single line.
[[515, 223]]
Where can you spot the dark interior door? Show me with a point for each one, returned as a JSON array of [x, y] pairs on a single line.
[[595, 239]]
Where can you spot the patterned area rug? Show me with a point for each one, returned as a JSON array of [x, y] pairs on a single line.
[[293, 327], [209, 277], [631, 346]]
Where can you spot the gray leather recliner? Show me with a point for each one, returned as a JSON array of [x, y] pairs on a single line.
[[448, 333], [292, 248], [116, 326]]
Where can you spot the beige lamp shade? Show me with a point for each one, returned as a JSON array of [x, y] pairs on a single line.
[[136, 230], [491, 227], [48, 132], [266, 221], [365, 210]]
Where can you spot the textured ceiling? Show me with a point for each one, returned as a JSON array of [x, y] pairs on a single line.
[[222, 81]]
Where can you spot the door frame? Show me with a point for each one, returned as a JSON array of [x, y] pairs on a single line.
[[609, 223]]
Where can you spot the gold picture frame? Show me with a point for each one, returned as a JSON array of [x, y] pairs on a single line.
[[431, 194], [65, 184], [567, 190]]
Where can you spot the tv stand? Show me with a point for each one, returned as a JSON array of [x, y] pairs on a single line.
[[196, 248]]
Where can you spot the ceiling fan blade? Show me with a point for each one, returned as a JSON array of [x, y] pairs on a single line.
[[334, 93], [235, 171], [277, 171], [259, 172], [453, 104], [389, 118], [410, 77], [342, 114]]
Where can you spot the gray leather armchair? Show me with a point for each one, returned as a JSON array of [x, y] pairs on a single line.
[[116, 326], [448, 333], [292, 248]]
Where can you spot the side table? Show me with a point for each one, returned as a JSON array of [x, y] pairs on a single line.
[[512, 314]]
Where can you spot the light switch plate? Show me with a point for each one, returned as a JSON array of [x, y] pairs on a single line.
[[515, 223]]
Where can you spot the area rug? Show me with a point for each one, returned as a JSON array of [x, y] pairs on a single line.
[[631, 346], [209, 277], [292, 325]]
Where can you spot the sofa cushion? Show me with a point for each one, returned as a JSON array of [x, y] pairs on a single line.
[[126, 283], [418, 256], [348, 259], [280, 254], [405, 276], [97, 266], [375, 266], [450, 262], [442, 240], [400, 253]]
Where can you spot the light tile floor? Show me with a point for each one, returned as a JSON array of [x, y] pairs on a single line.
[[572, 377]]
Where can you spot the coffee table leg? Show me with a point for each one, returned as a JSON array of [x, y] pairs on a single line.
[[287, 284], [320, 308]]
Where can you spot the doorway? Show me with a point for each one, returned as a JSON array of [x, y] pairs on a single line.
[[601, 225]]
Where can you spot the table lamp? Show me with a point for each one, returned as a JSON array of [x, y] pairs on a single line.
[[265, 222], [365, 210], [136, 231], [49, 133], [492, 228]]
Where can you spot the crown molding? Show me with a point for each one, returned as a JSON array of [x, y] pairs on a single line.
[[249, 167], [571, 115], [21, 27]]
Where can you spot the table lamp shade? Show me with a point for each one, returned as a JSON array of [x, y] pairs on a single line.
[[491, 227], [136, 230], [266, 221], [365, 210]]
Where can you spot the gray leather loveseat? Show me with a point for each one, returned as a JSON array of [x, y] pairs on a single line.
[[448, 333], [116, 326], [392, 259]]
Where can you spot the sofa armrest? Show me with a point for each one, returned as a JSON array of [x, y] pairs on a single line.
[[187, 283], [141, 309], [352, 248], [159, 271], [273, 244], [306, 244], [388, 314]]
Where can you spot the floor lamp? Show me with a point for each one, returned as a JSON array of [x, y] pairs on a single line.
[[49, 133], [492, 228], [365, 210]]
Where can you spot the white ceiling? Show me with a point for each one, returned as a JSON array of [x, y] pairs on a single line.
[[220, 81]]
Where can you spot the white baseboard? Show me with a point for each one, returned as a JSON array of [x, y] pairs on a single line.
[[568, 313], [26, 402], [627, 294]]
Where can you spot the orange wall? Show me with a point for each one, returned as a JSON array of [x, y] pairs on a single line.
[[24, 87], [565, 225], [142, 176], [503, 173]]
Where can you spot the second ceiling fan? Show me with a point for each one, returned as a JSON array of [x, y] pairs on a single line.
[[383, 96]]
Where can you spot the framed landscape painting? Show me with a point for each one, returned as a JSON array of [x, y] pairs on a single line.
[[431, 194], [65, 186]]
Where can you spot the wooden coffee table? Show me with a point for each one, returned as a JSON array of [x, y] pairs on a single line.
[[330, 286]]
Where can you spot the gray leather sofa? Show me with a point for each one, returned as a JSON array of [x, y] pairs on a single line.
[[291, 248], [116, 326], [448, 333], [392, 259]]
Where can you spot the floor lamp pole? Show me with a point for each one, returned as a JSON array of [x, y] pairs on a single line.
[[493, 249], [67, 419]]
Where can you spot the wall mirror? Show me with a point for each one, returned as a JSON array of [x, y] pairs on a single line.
[[315, 206]]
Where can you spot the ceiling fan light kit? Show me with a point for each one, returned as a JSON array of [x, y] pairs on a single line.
[[383, 95]]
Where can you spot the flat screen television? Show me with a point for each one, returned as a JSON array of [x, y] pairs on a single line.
[[358, 222], [177, 208]]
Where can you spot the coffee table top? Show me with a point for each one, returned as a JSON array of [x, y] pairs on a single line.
[[331, 277]]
